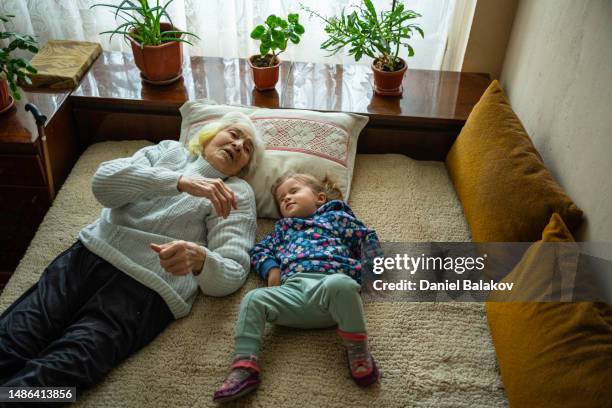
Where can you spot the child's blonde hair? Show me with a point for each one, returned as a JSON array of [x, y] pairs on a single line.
[[326, 186]]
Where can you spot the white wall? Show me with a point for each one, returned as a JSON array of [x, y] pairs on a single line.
[[489, 35], [557, 73]]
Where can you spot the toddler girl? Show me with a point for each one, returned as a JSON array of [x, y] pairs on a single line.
[[312, 263]]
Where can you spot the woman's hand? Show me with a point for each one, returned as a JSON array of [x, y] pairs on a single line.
[[274, 277], [180, 258], [220, 195]]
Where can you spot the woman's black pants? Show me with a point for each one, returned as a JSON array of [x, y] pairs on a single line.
[[81, 319]]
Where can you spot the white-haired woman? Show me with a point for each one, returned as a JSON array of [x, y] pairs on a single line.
[[174, 220]]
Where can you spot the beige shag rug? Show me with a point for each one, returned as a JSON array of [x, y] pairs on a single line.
[[430, 355]]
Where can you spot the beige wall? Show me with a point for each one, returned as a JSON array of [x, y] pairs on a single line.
[[489, 35], [558, 76]]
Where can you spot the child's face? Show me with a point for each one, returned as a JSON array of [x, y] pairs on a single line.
[[296, 199]]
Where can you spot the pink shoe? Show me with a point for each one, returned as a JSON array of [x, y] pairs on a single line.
[[362, 366], [242, 379], [369, 378]]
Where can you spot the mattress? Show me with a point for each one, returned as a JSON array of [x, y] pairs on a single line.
[[430, 354]]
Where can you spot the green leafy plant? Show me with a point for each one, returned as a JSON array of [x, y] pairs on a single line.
[[275, 35], [142, 22], [367, 32], [15, 69]]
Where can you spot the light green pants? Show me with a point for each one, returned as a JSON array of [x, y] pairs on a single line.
[[305, 301]]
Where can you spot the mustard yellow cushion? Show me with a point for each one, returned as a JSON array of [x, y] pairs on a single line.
[[553, 354], [507, 193], [62, 63]]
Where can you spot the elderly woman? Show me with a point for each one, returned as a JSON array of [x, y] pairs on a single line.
[[173, 220]]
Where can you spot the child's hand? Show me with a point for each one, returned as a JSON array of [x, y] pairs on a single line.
[[274, 276]]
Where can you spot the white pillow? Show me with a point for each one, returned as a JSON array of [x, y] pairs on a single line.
[[301, 141]]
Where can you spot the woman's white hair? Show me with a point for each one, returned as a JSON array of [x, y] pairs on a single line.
[[199, 141]]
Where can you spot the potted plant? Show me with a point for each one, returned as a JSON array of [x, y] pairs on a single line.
[[156, 44], [14, 69], [274, 37], [377, 35]]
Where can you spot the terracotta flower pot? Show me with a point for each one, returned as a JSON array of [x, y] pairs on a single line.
[[264, 77], [159, 64], [388, 83], [6, 100]]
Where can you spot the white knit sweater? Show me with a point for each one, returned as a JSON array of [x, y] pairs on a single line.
[[143, 206]]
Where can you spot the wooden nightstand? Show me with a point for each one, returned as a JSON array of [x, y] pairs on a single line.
[[32, 169], [112, 102]]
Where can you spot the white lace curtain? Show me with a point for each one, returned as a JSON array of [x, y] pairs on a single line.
[[224, 25]]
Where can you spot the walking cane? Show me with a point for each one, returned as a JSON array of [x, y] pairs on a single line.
[[40, 123]]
